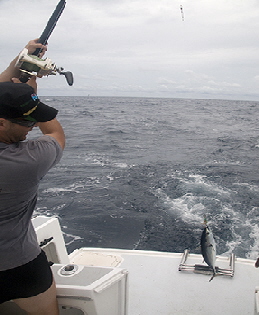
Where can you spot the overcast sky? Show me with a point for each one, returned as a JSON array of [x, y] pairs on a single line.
[[143, 47]]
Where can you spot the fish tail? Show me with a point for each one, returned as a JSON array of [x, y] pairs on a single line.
[[214, 275]]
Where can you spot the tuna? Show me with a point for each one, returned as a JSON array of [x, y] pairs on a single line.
[[208, 249]]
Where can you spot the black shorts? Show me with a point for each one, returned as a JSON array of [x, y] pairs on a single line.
[[27, 280]]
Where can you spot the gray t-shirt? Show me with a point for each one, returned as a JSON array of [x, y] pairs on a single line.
[[22, 166]]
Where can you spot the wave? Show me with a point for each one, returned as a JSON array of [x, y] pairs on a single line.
[[233, 230]]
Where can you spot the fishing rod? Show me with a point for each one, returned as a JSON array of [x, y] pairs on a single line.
[[28, 64]]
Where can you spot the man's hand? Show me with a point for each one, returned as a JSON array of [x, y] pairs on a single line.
[[32, 82], [13, 72], [33, 45]]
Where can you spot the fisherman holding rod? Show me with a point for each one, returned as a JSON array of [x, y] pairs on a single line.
[[25, 275]]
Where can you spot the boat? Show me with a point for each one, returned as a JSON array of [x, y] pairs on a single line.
[[106, 281]]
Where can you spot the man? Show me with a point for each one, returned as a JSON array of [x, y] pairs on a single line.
[[25, 276]]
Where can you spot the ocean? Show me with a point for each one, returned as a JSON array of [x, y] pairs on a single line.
[[142, 173]]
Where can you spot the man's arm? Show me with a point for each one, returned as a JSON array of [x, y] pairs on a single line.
[[13, 72], [54, 129]]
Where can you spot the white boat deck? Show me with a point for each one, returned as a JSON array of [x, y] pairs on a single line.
[[156, 287], [155, 284]]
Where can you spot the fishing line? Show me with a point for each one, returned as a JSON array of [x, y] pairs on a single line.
[[182, 13]]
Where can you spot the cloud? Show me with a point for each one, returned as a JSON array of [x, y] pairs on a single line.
[[143, 46]]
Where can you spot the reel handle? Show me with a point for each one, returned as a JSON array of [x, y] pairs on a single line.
[[69, 77]]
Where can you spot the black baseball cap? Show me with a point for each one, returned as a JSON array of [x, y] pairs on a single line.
[[18, 101]]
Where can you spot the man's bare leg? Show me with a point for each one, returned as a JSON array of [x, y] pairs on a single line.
[[43, 304]]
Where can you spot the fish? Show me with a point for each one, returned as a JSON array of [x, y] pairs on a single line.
[[208, 248]]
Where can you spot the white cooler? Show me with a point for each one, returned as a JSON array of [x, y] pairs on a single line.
[[91, 290]]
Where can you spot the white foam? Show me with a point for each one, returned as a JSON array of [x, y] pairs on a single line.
[[191, 206], [254, 234], [102, 160], [76, 188], [73, 238], [185, 206], [206, 198]]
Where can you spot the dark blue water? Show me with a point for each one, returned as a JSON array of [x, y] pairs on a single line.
[[141, 173]]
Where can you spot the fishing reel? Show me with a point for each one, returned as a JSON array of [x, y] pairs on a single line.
[[29, 64]]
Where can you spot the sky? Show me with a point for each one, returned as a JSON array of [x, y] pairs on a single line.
[[142, 48]]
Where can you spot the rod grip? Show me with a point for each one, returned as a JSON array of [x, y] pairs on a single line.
[[50, 25]]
